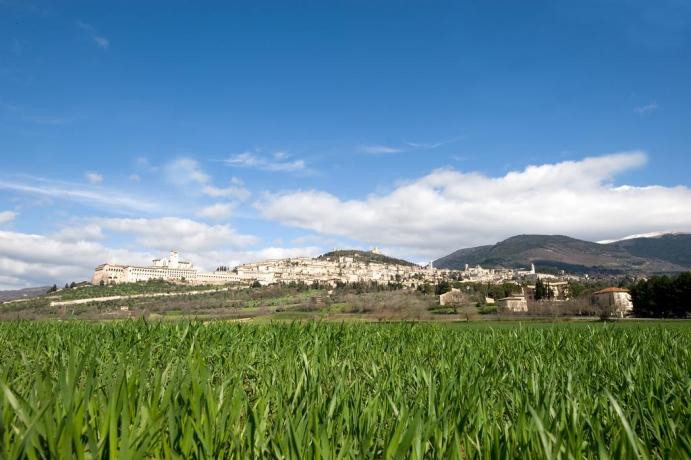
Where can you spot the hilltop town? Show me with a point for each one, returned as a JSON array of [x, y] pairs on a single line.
[[330, 269]]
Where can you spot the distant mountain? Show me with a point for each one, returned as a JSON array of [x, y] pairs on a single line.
[[365, 256], [558, 252], [23, 293], [673, 247]]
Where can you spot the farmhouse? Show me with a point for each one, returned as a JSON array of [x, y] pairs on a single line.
[[559, 290], [453, 297], [516, 303], [615, 299]]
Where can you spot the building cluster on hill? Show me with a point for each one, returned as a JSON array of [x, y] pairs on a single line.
[[359, 267], [342, 267], [329, 271]]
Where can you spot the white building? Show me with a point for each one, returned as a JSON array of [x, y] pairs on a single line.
[[168, 269]]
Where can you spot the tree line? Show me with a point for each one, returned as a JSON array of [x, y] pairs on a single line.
[[663, 296]]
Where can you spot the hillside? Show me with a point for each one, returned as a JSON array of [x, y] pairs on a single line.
[[674, 247], [365, 256], [558, 252], [26, 293]]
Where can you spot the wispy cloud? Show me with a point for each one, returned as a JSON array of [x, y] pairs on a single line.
[[187, 171], [26, 115], [98, 196], [433, 145], [93, 177], [236, 189], [16, 47], [278, 162], [642, 110], [381, 149], [183, 171], [100, 41]]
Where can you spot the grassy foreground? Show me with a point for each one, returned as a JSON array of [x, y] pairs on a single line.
[[218, 390]]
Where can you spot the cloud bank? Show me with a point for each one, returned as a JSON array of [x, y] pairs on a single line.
[[72, 254], [449, 209]]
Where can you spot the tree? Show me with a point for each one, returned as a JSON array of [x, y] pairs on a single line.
[[426, 288], [541, 290], [256, 284], [442, 288], [53, 289]]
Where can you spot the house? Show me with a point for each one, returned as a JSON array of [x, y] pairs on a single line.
[[559, 290], [453, 297], [617, 300], [516, 303]]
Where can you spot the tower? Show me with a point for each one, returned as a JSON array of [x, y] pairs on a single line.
[[173, 259]]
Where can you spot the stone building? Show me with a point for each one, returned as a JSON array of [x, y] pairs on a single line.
[[513, 304], [453, 297], [613, 299]]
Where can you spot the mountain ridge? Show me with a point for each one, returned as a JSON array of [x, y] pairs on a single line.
[[660, 254]]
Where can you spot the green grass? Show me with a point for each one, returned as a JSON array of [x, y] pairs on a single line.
[[134, 389]]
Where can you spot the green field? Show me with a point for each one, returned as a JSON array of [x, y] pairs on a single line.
[[313, 390]]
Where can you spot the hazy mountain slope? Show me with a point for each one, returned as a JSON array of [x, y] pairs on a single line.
[[557, 252], [23, 293], [674, 248]]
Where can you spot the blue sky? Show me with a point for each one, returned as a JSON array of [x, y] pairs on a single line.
[[263, 129]]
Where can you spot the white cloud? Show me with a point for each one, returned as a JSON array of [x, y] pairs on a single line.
[[217, 211], [183, 234], [136, 178], [278, 162], [448, 209], [642, 110], [282, 253], [7, 216], [31, 260], [80, 232], [93, 177], [100, 41]]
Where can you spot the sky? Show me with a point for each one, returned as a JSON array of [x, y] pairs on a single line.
[[239, 131]]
